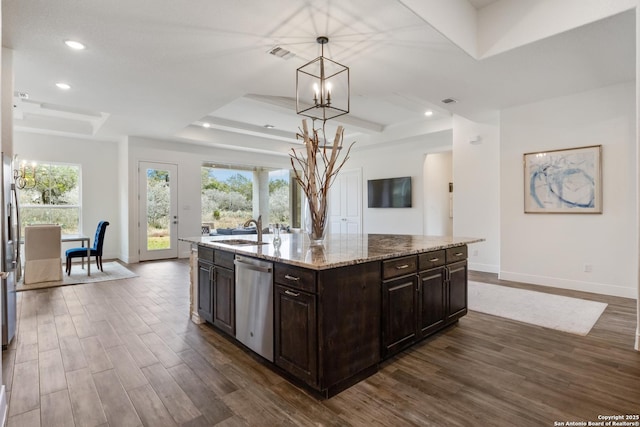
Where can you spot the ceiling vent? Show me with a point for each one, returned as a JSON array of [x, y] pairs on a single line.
[[281, 53], [449, 101]]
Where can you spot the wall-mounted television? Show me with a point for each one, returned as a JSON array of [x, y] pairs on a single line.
[[389, 192]]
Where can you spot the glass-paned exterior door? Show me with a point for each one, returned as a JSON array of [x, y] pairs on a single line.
[[158, 211]]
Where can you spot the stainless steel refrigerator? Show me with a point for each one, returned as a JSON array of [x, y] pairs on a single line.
[[9, 250]]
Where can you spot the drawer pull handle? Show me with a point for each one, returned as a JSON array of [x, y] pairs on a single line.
[[291, 293], [294, 278], [402, 267], [434, 259], [458, 254]]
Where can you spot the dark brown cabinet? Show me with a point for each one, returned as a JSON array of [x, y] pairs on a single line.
[[296, 341], [423, 302], [456, 291], [224, 292], [432, 294], [399, 305], [224, 313], [327, 324], [216, 288], [205, 301]]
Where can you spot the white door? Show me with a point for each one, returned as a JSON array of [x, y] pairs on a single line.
[[158, 223], [345, 203]]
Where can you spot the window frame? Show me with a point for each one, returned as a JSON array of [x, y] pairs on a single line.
[[52, 207]]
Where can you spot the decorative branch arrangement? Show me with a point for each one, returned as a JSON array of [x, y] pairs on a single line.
[[315, 169]]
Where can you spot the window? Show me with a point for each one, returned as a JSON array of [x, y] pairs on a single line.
[[228, 193], [55, 198]]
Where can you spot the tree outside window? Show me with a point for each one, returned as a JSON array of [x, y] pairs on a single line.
[[227, 196], [55, 199]]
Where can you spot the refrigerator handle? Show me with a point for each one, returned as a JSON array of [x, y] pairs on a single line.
[[16, 246]]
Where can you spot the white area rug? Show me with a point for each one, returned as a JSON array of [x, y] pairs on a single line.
[[573, 315], [112, 271]]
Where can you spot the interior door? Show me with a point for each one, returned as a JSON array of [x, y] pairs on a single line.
[[158, 202], [345, 203]]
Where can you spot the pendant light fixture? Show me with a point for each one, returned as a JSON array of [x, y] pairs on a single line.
[[322, 87]]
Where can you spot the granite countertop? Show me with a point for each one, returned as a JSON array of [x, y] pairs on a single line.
[[337, 250]]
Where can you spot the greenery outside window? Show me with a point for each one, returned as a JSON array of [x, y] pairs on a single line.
[[55, 199], [228, 193]]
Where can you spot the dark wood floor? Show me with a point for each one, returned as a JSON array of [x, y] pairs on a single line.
[[124, 353]]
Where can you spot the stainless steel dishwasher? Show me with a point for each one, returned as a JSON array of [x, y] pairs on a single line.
[[254, 305]]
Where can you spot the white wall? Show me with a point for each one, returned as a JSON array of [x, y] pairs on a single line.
[[395, 160], [438, 173], [476, 190], [552, 249], [189, 159], [100, 176]]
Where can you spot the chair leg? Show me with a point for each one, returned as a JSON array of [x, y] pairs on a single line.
[[68, 267]]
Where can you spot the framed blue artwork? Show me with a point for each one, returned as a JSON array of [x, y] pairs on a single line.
[[563, 181]]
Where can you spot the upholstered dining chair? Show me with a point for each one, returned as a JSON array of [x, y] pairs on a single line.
[[96, 249], [42, 247]]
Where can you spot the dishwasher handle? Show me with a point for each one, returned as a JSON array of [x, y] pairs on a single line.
[[249, 266]]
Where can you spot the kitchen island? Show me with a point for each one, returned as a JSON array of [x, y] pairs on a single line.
[[338, 309]]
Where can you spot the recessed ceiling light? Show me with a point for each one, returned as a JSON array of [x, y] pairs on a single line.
[[428, 113], [269, 126], [63, 86], [74, 44], [206, 125]]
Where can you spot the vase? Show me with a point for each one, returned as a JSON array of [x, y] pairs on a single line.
[[316, 223]]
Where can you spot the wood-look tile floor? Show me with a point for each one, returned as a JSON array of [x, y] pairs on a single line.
[[124, 353]]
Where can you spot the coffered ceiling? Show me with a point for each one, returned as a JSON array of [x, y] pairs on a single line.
[[162, 68]]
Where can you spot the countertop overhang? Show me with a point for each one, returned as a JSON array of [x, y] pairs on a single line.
[[337, 250]]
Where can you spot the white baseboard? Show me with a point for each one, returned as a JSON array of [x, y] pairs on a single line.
[[576, 285], [487, 268], [3, 406]]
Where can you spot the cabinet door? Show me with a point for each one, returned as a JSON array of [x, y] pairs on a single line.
[[205, 301], [457, 292], [295, 333], [224, 313], [399, 311], [432, 301]]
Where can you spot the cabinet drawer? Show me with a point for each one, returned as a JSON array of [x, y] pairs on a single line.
[[295, 277], [224, 259], [430, 260], [458, 253], [399, 267], [205, 253]]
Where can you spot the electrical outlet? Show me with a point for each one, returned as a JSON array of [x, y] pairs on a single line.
[[588, 268]]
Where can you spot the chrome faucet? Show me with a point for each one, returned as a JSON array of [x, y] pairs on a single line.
[[258, 224]]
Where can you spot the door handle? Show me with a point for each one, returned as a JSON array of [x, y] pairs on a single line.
[[291, 293]]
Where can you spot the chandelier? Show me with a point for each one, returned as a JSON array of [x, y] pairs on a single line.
[[25, 176], [322, 87]]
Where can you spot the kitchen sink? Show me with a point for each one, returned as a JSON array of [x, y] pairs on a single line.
[[240, 242]]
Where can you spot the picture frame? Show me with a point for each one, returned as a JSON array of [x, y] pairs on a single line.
[[563, 181]]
